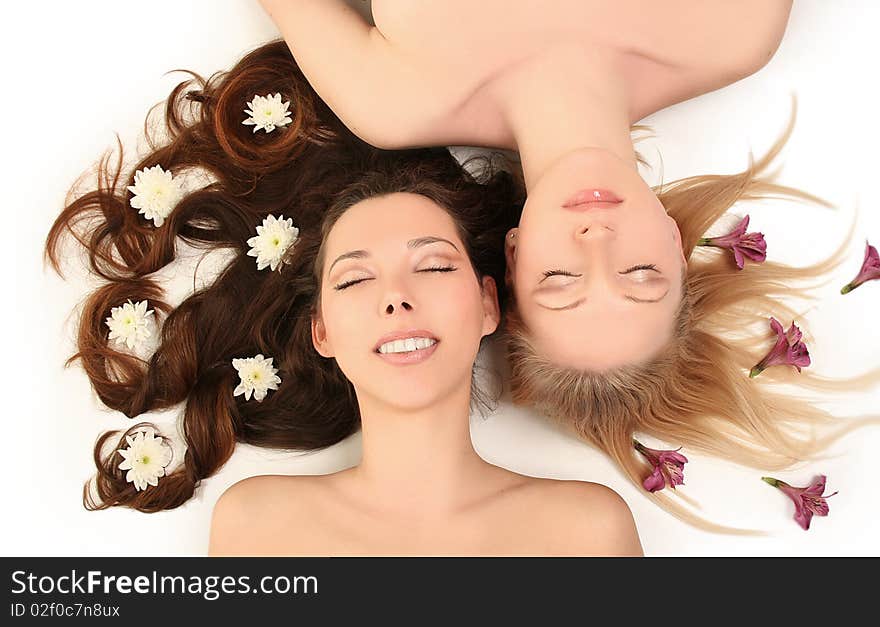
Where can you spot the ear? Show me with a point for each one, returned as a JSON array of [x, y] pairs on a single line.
[[491, 310], [676, 236], [319, 337], [510, 255]]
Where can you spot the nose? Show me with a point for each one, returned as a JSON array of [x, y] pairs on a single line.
[[396, 304], [592, 231], [595, 241]]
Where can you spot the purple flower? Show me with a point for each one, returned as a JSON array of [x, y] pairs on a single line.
[[870, 270], [807, 501], [788, 351], [668, 467], [751, 245]]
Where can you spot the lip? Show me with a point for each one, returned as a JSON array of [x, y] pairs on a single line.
[[406, 359], [402, 335], [414, 357], [590, 198]]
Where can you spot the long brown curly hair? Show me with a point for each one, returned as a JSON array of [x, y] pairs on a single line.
[[311, 170]]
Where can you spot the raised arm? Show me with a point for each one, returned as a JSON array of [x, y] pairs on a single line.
[[353, 68]]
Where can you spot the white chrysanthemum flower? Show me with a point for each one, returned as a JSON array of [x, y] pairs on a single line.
[[145, 459], [155, 193], [257, 377], [130, 324], [267, 112], [273, 239]]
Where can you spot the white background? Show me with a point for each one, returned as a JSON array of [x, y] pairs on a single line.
[[75, 73]]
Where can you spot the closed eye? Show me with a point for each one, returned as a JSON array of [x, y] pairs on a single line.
[[549, 273], [346, 284], [438, 269], [644, 266]]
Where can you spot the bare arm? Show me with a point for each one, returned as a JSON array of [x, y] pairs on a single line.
[[351, 66]]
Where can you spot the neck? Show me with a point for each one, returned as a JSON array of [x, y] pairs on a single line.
[[419, 461], [552, 115]]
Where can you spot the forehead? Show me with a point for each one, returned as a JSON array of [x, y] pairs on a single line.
[[402, 214]]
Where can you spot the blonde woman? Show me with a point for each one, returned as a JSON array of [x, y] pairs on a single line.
[[614, 326]]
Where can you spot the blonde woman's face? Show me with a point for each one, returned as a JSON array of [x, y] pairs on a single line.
[[596, 285], [396, 268]]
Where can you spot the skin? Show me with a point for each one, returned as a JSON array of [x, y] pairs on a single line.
[[606, 280], [562, 87], [420, 488], [409, 437]]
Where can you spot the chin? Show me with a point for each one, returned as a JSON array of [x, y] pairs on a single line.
[[414, 393], [412, 402]]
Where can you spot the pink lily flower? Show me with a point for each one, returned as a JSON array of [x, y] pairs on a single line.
[[870, 270], [668, 467], [807, 501], [751, 245], [788, 351]]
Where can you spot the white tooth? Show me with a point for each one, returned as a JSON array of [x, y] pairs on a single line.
[[406, 345]]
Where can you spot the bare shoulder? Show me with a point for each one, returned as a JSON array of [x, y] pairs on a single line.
[[247, 509], [250, 493], [587, 518], [746, 35]]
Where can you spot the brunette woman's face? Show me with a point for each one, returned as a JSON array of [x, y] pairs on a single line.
[[597, 285], [402, 310]]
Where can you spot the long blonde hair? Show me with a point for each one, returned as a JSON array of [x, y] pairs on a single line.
[[696, 392]]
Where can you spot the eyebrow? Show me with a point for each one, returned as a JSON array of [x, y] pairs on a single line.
[[413, 243], [580, 301]]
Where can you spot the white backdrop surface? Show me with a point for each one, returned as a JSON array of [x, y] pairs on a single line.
[[75, 73]]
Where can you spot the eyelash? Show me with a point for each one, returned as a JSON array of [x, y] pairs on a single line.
[[645, 266], [344, 285]]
